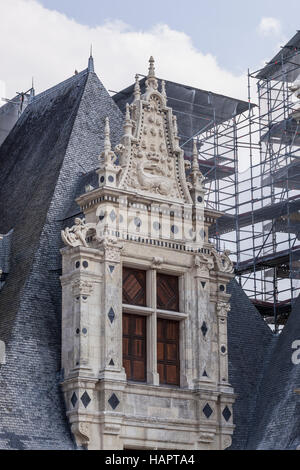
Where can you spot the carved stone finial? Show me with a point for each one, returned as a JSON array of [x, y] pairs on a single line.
[[127, 123], [107, 143], [163, 89], [137, 89], [175, 125], [151, 82], [127, 116], [108, 157], [151, 72], [195, 164], [196, 175]]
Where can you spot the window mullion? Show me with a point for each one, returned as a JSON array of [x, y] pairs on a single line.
[[152, 375]]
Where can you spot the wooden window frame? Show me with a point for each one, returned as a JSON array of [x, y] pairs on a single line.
[[131, 336], [152, 313], [166, 362]]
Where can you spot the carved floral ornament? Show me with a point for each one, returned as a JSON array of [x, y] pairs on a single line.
[[203, 263], [206, 263], [223, 308], [223, 262], [157, 261], [82, 287]]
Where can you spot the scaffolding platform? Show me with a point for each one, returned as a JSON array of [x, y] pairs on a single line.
[[266, 309], [271, 260], [211, 170], [228, 222], [286, 132], [286, 177]]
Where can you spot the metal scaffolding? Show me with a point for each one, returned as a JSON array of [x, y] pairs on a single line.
[[264, 231], [260, 221]]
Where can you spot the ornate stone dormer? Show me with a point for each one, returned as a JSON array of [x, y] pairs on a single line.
[[144, 296], [151, 160]]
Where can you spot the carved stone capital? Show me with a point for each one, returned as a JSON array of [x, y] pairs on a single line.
[[82, 287], [203, 263], [222, 309], [112, 249]]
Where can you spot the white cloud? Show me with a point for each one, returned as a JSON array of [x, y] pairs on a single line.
[[49, 46], [269, 26]]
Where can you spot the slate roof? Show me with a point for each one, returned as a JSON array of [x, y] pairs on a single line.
[[276, 418], [55, 142], [249, 343], [45, 163], [267, 410]]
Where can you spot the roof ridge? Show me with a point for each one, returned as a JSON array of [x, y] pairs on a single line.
[[58, 86]]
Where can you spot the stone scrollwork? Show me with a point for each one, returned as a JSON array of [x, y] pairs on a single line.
[[226, 442], [76, 235], [203, 263], [223, 262], [81, 434], [112, 248]]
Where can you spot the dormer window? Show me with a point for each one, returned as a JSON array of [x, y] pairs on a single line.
[[150, 340]]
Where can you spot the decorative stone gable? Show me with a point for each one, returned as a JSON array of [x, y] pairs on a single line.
[[151, 161]]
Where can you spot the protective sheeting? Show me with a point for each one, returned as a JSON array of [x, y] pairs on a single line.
[[285, 65], [196, 110], [283, 132]]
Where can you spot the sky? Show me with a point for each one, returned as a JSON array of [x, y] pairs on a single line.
[[208, 45]]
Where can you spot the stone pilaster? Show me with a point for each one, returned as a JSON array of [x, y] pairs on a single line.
[[202, 320], [111, 312]]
